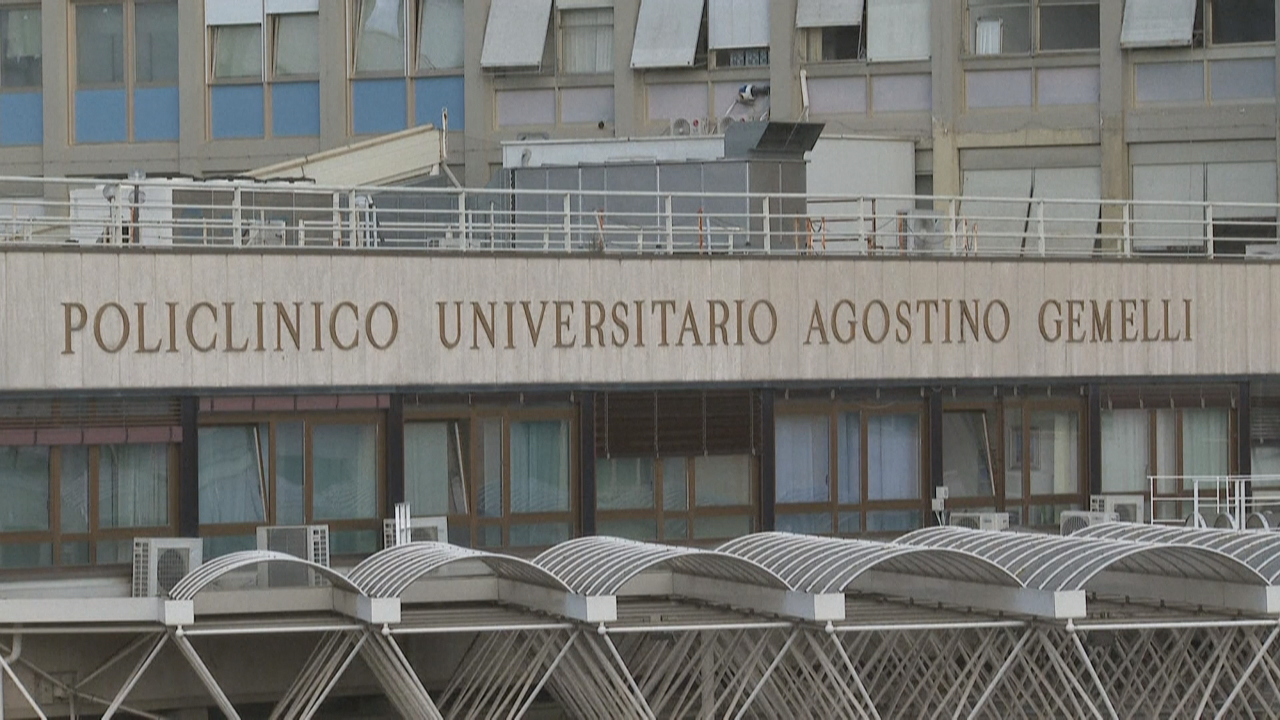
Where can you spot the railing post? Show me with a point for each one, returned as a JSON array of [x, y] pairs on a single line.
[[1127, 247], [768, 231], [355, 218], [568, 223], [862, 223], [1208, 229], [1040, 224], [335, 233], [952, 226], [237, 219], [463, 240], [669, 220], [117, 217]]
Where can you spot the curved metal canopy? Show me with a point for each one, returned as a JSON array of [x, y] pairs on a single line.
[[390, 572], [210, 572], [1051, 562], [822, 564], [603, 565], [1258, 550]]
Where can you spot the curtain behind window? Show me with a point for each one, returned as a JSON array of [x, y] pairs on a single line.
[[893, 457], [133, 485], [966, 461], [720, 480], [435, 467], [1055, 453], [849, 457], [156, 35], [380, 36], [440, 35], [803, 458], [237, 52], [232, 474], [297, 44], [587, 40], [624, 483], [1126, 450], [344, 472], [1205, 442], [20, 31], [539, 466], [99, 44], [24, 487]]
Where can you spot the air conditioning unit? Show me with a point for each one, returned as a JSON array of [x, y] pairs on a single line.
[[159, 563], [1072, 520], [686, 126], [979, 520], [421, 529], [1127, 508], [308, 542]]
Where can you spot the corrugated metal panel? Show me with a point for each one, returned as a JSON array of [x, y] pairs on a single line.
[[1157, 23], [828, 13], [285, 7], [233, 12], [378, 161], [737, 24], [898, 30], [516, 33], [667, 33]]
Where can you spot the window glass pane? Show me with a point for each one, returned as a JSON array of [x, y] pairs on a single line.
[[24, 488], [1243, 21], [1055, 453], [290, 470], [435, 467], [1000, 26], [629, 529], [344, 467], [849, 523], [237, 52], [1205, 442], [721, 527], [538, 534], [99, 44], [133, 486], [1069, 27], [539, 467], [893, 457], [74, 489], [587, 40], [675, 529], [675, 484], [1126, 450], [838, 43], [74, 553], [114, 552], [20, 41], [893, 521], [225, 545], [624, 483], [722, 480], [489, 499], [440, 36], [380, 36], [26, 555], [849, 457], [1013, 453], [156, 33], [489, 536], [232, 472], [354, 542], [803, 458], [804, 523], [966, 455], [297, 44]]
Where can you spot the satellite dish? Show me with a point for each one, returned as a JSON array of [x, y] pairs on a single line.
[[681, 126]]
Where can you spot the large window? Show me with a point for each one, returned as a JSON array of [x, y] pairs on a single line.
[[1042, 453], [236, 52], [1238, 21], [440, 35], [586, 41], [1020, 27], [379, 36], [74, 505], [675, 499], [292, 471], [295, 46], [21, 45]]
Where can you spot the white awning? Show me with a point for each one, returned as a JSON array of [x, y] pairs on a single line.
[[1157, 23], [828, 13], [286, 7], [233, 12], [666, 33], [737, 24], [898, 30], [516, 33]]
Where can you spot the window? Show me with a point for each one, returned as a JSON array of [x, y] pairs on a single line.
[[1020, 27], [1241, 21], [440, 35], [380, 36], [967, 436], [292, 471], [21, 43], [707, 497], [99, 45], [1157, 23], [295, 47], [74, 505], [237, 52], [586, 41], [835, 43], [156, 35]]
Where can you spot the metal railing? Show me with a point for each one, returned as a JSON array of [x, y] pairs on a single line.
[[252, 214], [1224, 501]]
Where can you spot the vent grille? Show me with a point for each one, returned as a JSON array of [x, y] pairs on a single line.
[[664, 424], [35, 413]]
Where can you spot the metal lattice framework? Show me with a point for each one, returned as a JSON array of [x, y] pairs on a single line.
[[1258, 550]]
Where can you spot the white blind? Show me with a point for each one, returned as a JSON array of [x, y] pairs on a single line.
[[1069, 227], [828, 13], [516, 33], [587, 40], [1157, 23], [666, 33], [998, 224], [898, 30], [233, 12], [737, 24]]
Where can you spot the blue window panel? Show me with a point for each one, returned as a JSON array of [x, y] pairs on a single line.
[[295, 109], [155, 114], [102, 116], [236, 111], [433, 94], [22, 118], [378, 106]]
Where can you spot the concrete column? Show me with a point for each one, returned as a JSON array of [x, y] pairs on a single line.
[[629, 111], [479, 97], [334, 92], [784, 73], [947, 39], [55, 78], [1114, 88], [192, 87]]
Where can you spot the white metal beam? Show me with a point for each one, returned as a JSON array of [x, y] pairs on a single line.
[[1230, 596], [584, 608], [1058, 605], [818, 607]]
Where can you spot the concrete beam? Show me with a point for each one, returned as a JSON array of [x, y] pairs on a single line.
[[1223, 595], [992, 598], [584, 608], [66, 611], [376, 611], [770, 601]]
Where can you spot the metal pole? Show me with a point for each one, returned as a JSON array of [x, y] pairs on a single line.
[[1262, 653], [134, 678], [545, 676], [670, 222], [568, 223], [1004, 668]]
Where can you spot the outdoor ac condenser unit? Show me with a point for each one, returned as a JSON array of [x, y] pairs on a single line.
[[159, 563], [1127, 508], [421, 529], [1072, 520], [979, 520], [308, 542]]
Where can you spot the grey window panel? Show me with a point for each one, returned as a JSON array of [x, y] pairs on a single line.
[[1069, 227], [1168, 226], [737, 24], [1157, 23], [997, 225], [1069, 27], [1243, 79], [998, 88], [583, 4], [1168, 82], [526, 107], [666, 33], [233, 12], [1241, 182], [286, 7], [898, 30], [586, 105], [828, 13], [1068, 86], [685, 100], [902, 93], [837, 95], [516, 33]]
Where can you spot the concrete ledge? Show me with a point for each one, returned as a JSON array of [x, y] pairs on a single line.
[[770, 601], [1056, 605]]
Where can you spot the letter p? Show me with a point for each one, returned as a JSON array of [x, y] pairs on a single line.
[[75, 320]]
